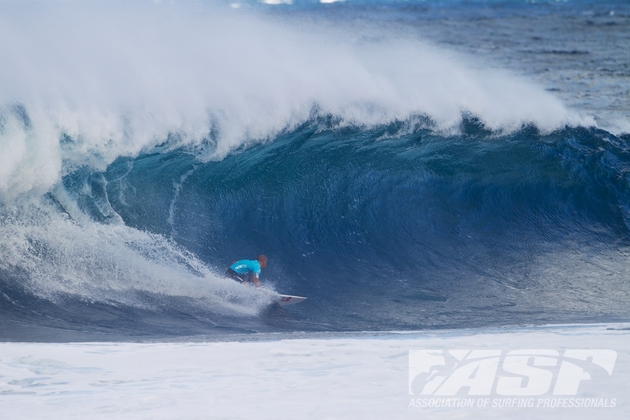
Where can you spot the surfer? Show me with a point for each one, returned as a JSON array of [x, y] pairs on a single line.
[[247, 271]]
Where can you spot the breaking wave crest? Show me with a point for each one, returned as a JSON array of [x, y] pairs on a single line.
[[83, 84]]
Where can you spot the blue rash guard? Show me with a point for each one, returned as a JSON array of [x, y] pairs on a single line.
[[246, 268]]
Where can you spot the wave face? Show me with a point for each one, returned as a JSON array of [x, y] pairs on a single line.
[[396, 184], [388, 228]]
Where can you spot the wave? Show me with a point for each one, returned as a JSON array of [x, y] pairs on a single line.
[[144, 147], [388, 228]]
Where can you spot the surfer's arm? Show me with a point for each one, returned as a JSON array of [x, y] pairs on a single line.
[[255, 280]]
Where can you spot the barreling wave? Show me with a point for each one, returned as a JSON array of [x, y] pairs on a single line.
[[387, 228], [395, 184]]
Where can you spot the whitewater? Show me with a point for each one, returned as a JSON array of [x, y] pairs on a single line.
[[435, 176], [362, 376]]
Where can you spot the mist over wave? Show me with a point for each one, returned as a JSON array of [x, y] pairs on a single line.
[[84, 83]]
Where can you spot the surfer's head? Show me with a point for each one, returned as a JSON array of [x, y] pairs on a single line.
[[262, 260]]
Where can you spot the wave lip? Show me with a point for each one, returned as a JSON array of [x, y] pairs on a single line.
[[95, 83]]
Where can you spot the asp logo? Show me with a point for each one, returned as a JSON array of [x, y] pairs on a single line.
[[514, 373]]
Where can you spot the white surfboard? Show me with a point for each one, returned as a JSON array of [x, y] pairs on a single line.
[[284, 300]]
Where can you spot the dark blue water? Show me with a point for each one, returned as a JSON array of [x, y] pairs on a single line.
[[383, 230]]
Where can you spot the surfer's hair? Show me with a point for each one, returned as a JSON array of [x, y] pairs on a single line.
[[262, 260]]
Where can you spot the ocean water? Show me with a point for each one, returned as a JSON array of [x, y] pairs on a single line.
[[406, 165], [441, 179]]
